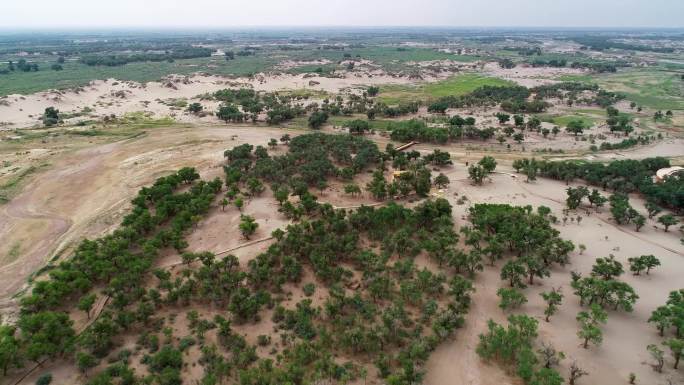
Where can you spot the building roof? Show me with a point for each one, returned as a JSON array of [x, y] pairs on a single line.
[[669, 171]]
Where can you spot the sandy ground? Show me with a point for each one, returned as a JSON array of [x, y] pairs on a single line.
[[529, 76], [626, 335], [106, 97], [85, 192]]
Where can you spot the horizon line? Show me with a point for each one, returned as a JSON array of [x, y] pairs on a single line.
[[329, 26]]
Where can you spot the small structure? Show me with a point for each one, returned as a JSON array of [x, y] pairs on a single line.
[[396, 174], [405, 146], [668, 172]]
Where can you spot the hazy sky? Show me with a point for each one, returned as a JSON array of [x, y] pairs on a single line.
[[232, 13]]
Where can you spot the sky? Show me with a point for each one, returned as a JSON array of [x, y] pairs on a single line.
[[37, 14]]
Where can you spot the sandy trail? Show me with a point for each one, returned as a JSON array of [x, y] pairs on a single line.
[[456, 358]]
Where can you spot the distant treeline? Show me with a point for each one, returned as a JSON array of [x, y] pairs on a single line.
[[70, 47], [117, 60], [22, 65], [597, 43], [549, 63], [624, 176], [525, 51]]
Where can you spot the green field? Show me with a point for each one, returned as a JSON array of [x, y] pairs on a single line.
[[649, 87], [377, 124], [77, 74], [457, 85], [563, 120]]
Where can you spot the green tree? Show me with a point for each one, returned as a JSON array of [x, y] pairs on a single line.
[[590, 322], [281, 194], [45, 379], [477, 174], [86, 303], [230, 113], [519, 120], [378, 186], [662, 317], [50, 117], [546, 376], [85, 361], [254, 186], [530, 170], [676, 346], [653, 209], [639, 221], [239, 203], [667, 221], [535, 267], [658, 356], [519, 137], [441, 181], [10, 355], [248, 226], [596, 199], [502, 117], [575, 127], [644, 262], [318, 119], [575, 196], [357, 126], [488, 163], [553, 300], [510, 298], [607, 268], [514, 272], [352, 189], [46, 334], [195, 108]]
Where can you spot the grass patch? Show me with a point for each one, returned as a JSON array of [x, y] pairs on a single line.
[[76, 74], [376, 124], [13, 185], [576, 78], [563, 120], [14, 253], [141, 120], [652, 88], [455, 86]]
